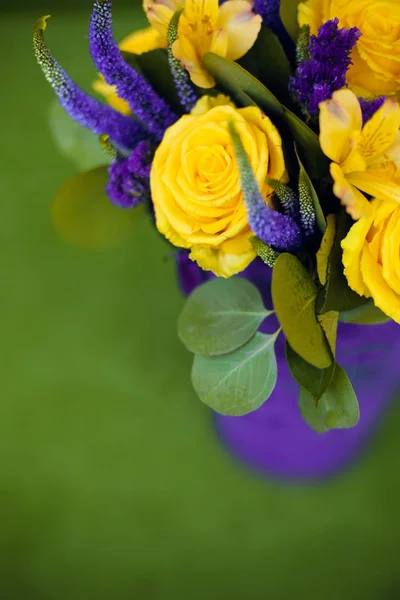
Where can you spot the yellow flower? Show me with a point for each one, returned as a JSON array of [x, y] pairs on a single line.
[[371, 257], [376, 59], [365, 159], [229, 30], [195, 182], [138, 42]]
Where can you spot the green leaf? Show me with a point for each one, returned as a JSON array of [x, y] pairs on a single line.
[[240, 382], [314, 160], [220, 316], [314, 380], [337, 294], [337, 408], [367, 314], [329, 323], [325, 249], [288, 11], [78, 144], [276, 77], [84, 216], [235, 80], [309, 201], [294, 296]]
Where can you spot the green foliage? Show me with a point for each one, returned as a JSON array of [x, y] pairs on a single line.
[[314, 381], [220, 316], [294, 296], [78, 144], [288, 11], [337, 408], [237, 383], [337, 295], [367, 314], [314, 160], [265, 252], [276, 76], [84, 216]]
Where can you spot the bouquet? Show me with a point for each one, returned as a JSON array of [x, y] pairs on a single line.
[[247, 144]]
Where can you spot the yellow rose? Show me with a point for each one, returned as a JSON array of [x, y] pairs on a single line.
[[371, 257], [137, 42], [195, 182], [376, 58]]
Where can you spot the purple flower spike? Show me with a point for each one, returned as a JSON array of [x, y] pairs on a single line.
[[316, 79], [277, 230], [369, 107], [131, 86], [88, 112], [128, 178]]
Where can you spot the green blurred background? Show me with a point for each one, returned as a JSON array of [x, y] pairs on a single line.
[[113, 484]]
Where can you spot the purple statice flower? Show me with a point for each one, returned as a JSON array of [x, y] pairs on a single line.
[[144, 102], [88, 112], [128, 178], [325, 72], [369, 107]]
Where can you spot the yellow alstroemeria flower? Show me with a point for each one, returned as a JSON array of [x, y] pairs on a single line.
[[137, 42], [195, 182], [371, 257], [365, 159], [229, 30], [376, 58]]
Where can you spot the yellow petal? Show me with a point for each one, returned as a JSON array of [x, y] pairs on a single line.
[[380, 132], [160, 13], [376, 183], [242, 26], [110, 94], [340, 121], [355, 202], [384, 297], [206, 103], [143, 40], [313, 13], [352, 246], [184, 51], [221, 263]]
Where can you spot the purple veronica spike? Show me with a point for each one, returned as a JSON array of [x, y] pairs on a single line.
[[277, 230], [131, 86], [128, 178], [369, 107], [316, 79], [86, 111], [183, 85]]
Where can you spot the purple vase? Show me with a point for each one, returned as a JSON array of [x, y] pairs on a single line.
[[275, 439]]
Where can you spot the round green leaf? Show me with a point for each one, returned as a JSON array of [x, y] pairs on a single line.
[[84, 216], [314, 380], [220, 316], [294, 295], [336, 409], [75, 142], [237, 383]]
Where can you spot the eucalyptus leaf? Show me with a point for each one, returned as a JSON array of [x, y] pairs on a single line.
[[337, 294], [220, 316], [84, 216], [240, 382], [367, 314], [75, 142], [329, 323], [314, 380], [336, 409], [294, 296]]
